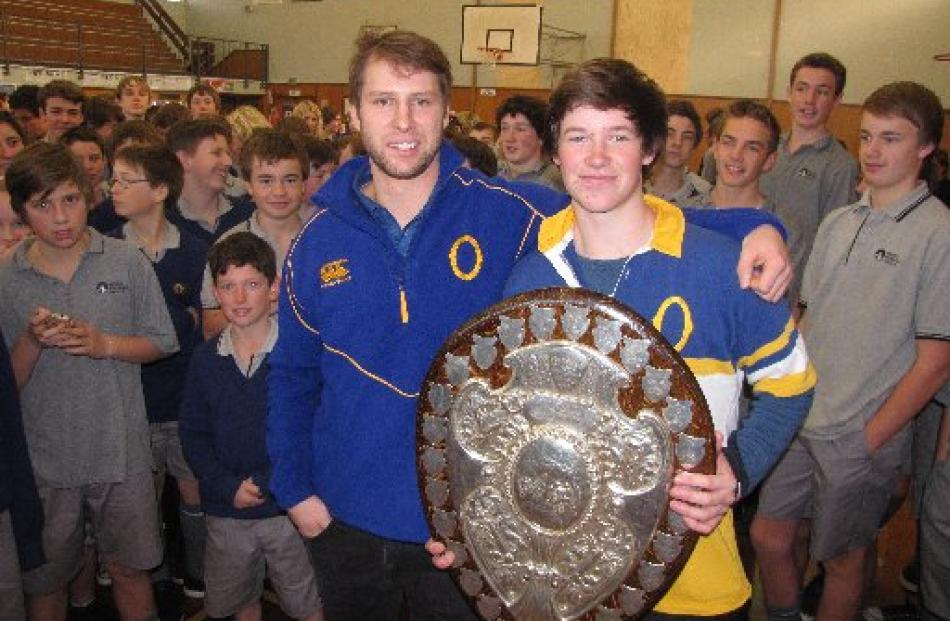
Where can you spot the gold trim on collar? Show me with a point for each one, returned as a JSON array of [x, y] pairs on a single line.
[[669, 227]]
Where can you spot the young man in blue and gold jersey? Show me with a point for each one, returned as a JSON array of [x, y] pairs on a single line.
[[608, 122]]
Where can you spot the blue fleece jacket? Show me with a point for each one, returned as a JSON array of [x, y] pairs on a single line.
[[360, 324]]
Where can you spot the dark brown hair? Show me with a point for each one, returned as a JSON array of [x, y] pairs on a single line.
[[240, 249], [747, 108], [919, 105], [270, 146], [186, 135], [686, 109], [39, 170], [159, 165], [63, 89], [822, 60], [607, 84], [204, 89]]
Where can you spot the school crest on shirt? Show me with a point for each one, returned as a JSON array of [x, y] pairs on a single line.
[[115, 286]]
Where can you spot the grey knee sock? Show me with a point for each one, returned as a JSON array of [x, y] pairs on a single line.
[[193, 533], [784, 614]]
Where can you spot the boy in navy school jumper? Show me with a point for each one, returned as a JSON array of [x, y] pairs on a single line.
[[81, 313], [405, 245], [202, 147], [146, 180], [223, 428], [275, 168]]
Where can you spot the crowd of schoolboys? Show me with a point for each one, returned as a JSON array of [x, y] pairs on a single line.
[[138, 285]]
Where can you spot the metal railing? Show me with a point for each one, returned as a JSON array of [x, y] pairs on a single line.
[[228, 58], [168, 26], [204, 56]]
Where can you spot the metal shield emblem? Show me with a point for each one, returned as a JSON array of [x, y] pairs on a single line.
[[550, 476]]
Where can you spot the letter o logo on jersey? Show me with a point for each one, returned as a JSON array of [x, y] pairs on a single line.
[[687, 319], [465, 258]]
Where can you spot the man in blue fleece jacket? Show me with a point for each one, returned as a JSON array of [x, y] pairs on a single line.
[[404, 246]]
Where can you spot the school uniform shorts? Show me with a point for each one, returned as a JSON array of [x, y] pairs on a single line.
[[123, 516], [839, 485], [239, 552]]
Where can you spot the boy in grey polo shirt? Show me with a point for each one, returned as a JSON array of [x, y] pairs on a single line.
[[813, 173], [670, 179], [80, 313], [878, 330]]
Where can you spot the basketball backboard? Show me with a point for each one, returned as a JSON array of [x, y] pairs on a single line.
[[507, 34]]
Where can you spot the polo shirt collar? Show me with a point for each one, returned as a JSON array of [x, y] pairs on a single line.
[[226, 347], [96, 246], [819, 145], [899, 209], [171, 239], [224, 206]]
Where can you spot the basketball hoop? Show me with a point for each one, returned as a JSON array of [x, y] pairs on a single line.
[[492, 55]]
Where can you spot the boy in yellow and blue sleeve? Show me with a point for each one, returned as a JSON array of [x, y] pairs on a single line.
[[608, 121]]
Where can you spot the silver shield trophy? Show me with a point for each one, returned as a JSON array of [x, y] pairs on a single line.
[[549, 429]]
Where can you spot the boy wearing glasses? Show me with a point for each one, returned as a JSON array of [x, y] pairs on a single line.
[[81, 313], [275, 169], [145, 181]]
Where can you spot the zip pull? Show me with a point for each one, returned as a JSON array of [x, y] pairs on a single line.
[[403, 305]]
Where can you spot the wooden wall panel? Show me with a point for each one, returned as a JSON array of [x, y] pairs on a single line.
[[655, 36]]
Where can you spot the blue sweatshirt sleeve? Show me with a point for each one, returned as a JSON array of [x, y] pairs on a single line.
[[772, 355], [733, 223], [293, 402], [754, 448], [218, 485]]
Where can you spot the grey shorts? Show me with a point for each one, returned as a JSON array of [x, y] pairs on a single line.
[[935, 543], [124, 518], [836, 483], [167, 455], [236, 555], [11, 588]]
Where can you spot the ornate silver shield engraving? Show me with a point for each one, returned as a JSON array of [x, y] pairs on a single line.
[[546, 465]]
